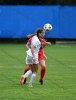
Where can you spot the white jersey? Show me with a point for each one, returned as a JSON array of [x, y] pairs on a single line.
[[34, 42]]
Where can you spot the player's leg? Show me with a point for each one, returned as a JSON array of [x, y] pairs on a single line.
[[25, 70], [29, 72], [34, 70], [43, 70]]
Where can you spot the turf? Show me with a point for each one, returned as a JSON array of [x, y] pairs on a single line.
[[60, 79]]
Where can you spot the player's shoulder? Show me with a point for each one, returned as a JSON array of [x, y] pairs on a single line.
[[35, 37], [43, 40], [29, 40]]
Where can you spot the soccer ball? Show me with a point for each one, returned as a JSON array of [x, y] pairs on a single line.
[[47, 27]]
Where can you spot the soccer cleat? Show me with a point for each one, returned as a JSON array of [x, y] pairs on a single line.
[[41, 82], [25, 81], [30, 86], [22, 81]]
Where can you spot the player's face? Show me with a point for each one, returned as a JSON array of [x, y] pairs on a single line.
[[42, 34]]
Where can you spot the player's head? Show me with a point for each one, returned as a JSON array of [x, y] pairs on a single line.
[[40, 32]]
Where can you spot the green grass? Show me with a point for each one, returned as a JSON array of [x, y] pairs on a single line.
[[60, 79]]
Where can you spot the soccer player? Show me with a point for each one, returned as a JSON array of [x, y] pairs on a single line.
[[41, 58], [32, 57]]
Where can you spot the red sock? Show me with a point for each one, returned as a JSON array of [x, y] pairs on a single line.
[[42, 73], [26, 69]]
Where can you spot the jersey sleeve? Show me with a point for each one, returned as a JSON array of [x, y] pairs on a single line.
[[29, 40]]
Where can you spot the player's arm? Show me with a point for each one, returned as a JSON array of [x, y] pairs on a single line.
[[49, 43], [33, 54], [32, 50], [44, 55], [27, 45]]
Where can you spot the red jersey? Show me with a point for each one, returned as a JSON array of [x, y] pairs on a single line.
[[29, 40], [41, 53]]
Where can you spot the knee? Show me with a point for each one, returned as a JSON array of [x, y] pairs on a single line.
[[43, 67], [34, 74]]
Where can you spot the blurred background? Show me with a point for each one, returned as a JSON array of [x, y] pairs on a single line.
[[18, 18]]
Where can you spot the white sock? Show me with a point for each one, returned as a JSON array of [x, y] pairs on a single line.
[[27, 74], [32, 79]]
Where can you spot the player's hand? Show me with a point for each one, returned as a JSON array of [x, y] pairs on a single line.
[[45, 57], [33, 59], [49, 43]]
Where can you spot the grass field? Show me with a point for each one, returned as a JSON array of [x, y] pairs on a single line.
[[60, 79]]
